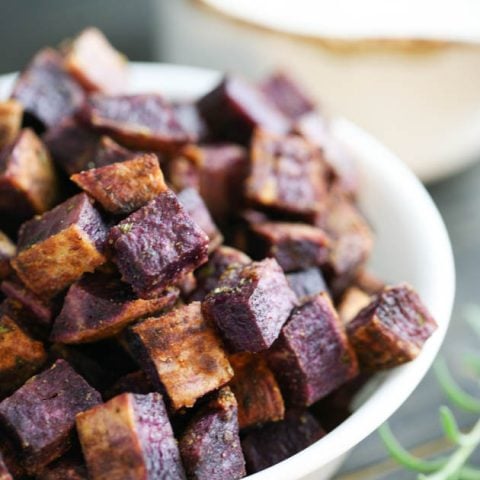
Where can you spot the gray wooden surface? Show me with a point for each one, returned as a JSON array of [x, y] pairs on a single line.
[[416, 422]]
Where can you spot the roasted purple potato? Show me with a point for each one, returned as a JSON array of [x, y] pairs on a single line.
[[129, 437], [250, 305], [40, 416], [210, 446]]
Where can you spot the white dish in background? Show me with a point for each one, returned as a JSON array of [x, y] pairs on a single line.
[[357, 58], [412, 245]]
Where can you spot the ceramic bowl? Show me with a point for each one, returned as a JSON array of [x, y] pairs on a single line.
[[411, 245]]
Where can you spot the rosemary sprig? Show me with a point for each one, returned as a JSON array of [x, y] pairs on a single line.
[[453, 467]]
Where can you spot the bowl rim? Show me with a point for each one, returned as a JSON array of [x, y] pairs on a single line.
[[185, 82]]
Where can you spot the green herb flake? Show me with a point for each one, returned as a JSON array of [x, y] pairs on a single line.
[[125, 227], [4, 329]]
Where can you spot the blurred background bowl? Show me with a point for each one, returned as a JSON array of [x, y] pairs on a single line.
[[407, 74]]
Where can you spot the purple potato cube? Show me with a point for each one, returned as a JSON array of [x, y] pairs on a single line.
[[7, 252], [236, 107], [312, 356], [250, 305], [40, 416], [194, 205], [28, 181], [216, 170], [210, 446], [95, 64], [277, 441], [208, 275], [392, 329], [46, 91], [287, 95], [123, 187], [288, 176], [256, 390], [306, 283], [129, 437], [182, 354], [99, 306], [57, 248], [295, 246], [144, 122], [157, 245]]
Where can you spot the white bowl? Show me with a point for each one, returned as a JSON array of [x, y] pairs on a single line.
[[421, 100], [412, 245]]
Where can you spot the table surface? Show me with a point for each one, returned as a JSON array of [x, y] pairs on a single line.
[[416, 422]]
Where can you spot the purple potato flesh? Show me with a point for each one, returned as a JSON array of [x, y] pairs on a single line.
[[129, 438], [392, 329], [46, 91], [250, 305], [158, 245], [40, 416], [210, 446], [312, 356]]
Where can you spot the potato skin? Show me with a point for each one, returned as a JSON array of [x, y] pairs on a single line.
[[46, 91], [57, 248], [312, 355], [288, 176], [95, 64], [11, 113], [392, 329], [21, 356], [210, 445], [99, 306], [126, 186], [256, 390], [28, 181], [182, 354], [129, 438]]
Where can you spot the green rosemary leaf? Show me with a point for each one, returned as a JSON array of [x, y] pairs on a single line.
[[450, 426], [455, 394], [453, 466], [404, 457]]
